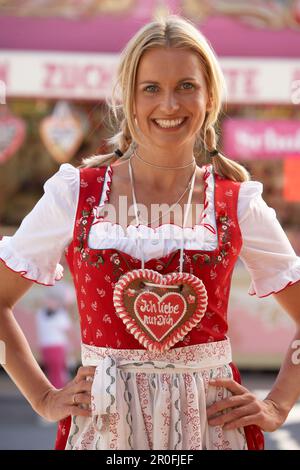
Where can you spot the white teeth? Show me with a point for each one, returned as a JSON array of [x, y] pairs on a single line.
[[169, 123]]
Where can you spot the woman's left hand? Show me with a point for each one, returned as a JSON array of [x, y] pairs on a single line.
[[243, 408]]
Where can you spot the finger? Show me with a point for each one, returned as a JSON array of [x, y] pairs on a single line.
[[83, 398], [242, 422], [83, 386], [230, 402], [230, 384], [233, 414], [83, 372], [77, 411]]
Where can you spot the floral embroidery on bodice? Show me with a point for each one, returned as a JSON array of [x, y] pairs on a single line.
[[96, 271]]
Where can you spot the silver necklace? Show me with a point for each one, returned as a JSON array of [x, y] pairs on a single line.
[[163, 167], [145, 222], [187, 209], [152, 221]]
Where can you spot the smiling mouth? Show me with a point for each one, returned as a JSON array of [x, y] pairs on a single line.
[[169, 123]]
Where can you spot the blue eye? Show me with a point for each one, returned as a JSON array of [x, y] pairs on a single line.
[[189, 87], [154, 88], [150, 88]]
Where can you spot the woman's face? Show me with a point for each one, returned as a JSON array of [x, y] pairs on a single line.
[[170, 97]]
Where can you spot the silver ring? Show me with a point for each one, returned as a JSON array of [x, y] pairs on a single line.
[[74, 402]]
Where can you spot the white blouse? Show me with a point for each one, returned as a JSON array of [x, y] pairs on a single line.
[[38, 245]]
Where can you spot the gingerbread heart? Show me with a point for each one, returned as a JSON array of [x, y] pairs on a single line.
[[62, 134], [12, 135], [159, 310]]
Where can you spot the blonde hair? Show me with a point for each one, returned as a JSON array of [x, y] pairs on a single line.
[[171, 31]]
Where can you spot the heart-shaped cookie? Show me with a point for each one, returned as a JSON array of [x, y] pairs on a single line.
[[12, 135], [159, 310], [62, 136]]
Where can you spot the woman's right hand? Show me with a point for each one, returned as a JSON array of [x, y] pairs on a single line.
[[57, 404]]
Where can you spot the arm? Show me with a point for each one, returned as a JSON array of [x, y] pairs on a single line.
[[20, 362], [243, 408], [286, 389], [35, 249], [272, 264], [23, 368]]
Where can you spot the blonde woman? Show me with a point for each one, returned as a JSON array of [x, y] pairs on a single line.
[[153, 289]]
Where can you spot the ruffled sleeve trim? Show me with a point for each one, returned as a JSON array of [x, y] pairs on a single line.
[[27, 269], [263, 287]]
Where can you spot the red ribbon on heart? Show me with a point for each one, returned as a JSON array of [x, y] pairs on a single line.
[[157, 320]]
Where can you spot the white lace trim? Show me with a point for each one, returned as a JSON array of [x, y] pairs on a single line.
[[105, 234]]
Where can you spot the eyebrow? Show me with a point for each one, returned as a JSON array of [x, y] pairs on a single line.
[[179, 81]]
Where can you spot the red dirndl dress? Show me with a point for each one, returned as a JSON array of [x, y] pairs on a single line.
[[95, 273]]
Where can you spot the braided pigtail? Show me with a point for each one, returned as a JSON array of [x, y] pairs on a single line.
[[222, 165]]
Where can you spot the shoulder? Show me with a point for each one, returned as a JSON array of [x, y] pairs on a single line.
[[62, 188], [93, 173], [66, 170], [251, 189], [225, 187], [66, 175], [250, 199], [69, 178], [247, 193]]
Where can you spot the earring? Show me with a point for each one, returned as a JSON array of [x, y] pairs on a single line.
[[135, 121]]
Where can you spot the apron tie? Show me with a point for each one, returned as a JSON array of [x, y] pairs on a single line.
[[103, 394]]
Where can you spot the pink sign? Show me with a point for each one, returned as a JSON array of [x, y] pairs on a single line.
[[251, 139], [240, 28]]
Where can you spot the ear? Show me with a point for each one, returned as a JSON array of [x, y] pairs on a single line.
[[209, 103]]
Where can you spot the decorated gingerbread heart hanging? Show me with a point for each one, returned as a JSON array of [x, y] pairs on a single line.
[[12, 135], [62, 133], [159, 310]]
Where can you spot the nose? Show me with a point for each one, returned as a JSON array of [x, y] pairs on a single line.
[[169, 103]]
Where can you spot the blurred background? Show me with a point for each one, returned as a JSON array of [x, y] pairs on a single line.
[[57, 61]]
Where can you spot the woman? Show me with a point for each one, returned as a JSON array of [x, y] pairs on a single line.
[[162, 381]]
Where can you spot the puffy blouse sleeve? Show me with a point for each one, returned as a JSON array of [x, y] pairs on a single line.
[[266, 251], [36, 248]]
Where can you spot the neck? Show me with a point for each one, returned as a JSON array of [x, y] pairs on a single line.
[[161, 179]]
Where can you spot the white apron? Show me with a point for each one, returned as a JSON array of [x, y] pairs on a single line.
[[145, 400]]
